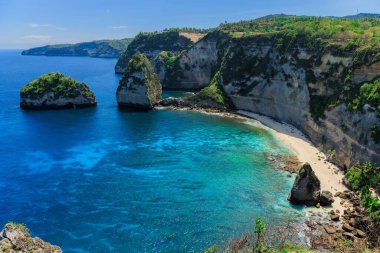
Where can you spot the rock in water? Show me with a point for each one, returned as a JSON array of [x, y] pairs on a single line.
[[55, 91], [306, 188], [139, 87], [326, 198], [16, 238]]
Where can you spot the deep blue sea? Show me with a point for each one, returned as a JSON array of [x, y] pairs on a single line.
[[109, 180]]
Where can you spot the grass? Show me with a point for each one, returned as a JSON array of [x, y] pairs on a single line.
[[213, 91]]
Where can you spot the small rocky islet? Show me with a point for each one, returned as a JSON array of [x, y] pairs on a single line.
[[56, 91], [139, 87]]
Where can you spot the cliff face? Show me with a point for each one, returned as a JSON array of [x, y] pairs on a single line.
[[101, 49], [151, 44], [297, 84], [195, 67], [293, 87], [139, 87]]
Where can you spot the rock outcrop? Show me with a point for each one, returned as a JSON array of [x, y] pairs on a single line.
[[55, 91], [326, 198], [16, 238], [139, 87], [151, 44], [307, 187]]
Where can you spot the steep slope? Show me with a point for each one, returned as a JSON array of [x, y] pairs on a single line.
[[139, 87], [152, 44], [100, 48]]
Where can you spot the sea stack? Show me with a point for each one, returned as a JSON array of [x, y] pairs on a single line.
[[139, 87], [55, 91], [307, 187]]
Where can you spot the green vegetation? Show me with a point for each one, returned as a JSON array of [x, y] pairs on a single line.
[[169, 60], [364, 177], [369, 94], [361, 35], [140, 63], [259, 231], [99, 48], [21, 226], [213, 91], [58, 84]]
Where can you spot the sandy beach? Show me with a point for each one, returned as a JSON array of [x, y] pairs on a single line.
[[329, 175]]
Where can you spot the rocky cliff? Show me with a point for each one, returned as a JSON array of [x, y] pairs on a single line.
[[16, 238], [139, 87], [317, 74], [173, 42], [55, 91], [100, 48]]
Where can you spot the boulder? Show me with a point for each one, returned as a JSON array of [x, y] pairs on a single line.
[[334, 217], [55, 91], [359, 233], [306, 188], [346, 227], [348, 235], [139, 87], [326, 198], [16, 238], [330, 229]]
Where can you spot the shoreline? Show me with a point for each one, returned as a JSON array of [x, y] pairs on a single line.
[[330, 176]]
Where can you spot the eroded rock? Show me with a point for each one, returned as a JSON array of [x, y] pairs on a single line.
[[139, 87], [306, 188], [16, 238]]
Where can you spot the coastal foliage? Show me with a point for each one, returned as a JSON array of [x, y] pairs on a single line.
[[369, 94], [20, 226], [365, 177], [213, 91], [99, 48], [168, 59], [362, 35], [56, 83]]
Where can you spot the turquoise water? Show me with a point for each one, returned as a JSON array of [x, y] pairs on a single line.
[[108, 180]]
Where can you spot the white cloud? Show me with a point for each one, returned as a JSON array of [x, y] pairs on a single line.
[[37, 37], [34, 26], [120, 27]]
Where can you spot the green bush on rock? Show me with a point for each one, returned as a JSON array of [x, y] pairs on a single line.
[[55, 91], [57, 83]]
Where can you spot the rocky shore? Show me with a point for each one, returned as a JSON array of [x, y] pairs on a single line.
[[16, 238]]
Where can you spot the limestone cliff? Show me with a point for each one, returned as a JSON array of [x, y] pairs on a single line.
[[151, 44], [139, 87], [300, 77], [55, 91]]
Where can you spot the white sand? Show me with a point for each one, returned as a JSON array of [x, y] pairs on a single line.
[[329, 175]]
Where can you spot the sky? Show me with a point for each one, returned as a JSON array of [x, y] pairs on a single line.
[[31, 23]]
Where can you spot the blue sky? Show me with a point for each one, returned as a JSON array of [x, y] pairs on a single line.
[[29, 23]]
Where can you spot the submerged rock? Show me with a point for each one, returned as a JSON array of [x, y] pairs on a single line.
[[55, 91], [306, 188], [16, 238], [139, 87]]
